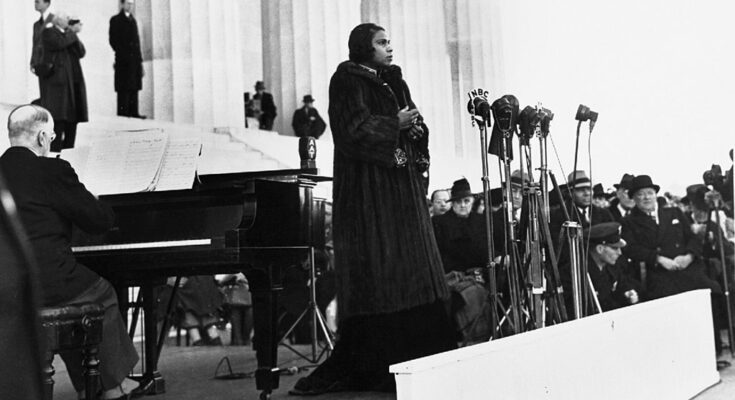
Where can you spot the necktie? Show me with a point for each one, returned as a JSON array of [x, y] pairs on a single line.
[[653, 216]]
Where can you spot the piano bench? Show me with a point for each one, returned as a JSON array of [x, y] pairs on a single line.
[[73, 327]]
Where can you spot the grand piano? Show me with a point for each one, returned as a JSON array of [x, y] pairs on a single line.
[[259, 223]]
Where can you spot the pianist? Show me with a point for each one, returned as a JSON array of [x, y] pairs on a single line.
[[50, 199]]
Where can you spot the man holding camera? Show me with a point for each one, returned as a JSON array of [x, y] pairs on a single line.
[[63, 91]]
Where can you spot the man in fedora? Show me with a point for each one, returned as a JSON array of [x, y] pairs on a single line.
[[662, 241], [622, 204], [307, 121], [461, 239], [580, 207], [262, 107]]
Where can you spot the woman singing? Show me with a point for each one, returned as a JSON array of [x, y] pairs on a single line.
[[389, 273]]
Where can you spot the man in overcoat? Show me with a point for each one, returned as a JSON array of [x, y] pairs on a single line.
[[662, 240], [43, 7], [64, 93], [125, 41], [307, 121], [263, 107]]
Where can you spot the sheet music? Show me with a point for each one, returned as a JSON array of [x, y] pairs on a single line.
[[179, 163], [124, 163]]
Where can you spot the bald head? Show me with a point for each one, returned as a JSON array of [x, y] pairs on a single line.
[[26, 122]]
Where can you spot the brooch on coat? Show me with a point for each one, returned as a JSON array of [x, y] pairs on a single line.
[[400, 157]]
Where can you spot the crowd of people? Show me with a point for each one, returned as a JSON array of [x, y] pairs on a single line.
[[639, 245]]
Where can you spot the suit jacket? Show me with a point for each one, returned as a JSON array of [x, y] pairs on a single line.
[[37, 51], [125, 41], [64, 93], [615, 211], [308, 122], [50, 199]]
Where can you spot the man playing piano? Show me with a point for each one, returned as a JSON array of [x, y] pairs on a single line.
[[50, 199]]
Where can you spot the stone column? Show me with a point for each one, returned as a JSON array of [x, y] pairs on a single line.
[[303, 43]]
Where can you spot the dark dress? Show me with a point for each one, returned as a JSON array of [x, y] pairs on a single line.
[[390, 281]]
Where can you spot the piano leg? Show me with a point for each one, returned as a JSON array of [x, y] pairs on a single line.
[[265, 324], [151, 382]]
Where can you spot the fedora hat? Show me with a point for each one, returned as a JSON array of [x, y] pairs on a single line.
[[695, 196], [624, 182], [460, 189], [598, 191], [308, 99], [641, 182], [578, 179]]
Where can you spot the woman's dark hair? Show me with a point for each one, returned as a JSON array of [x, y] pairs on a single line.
[[361, 42]]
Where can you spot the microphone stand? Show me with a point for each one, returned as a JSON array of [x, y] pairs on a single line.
[[511, 249], [489, 229], [726, 286]]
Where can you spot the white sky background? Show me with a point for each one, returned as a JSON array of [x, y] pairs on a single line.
[[660, 74]]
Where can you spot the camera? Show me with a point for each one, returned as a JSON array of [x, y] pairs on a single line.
[[713, 176]]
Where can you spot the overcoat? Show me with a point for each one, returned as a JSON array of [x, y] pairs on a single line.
[[386, 257], [308, 122], [64, 93], [671, 237], [38, 26], [125, 41], [462, 242]]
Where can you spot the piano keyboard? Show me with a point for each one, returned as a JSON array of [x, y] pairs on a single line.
[[144, 245]]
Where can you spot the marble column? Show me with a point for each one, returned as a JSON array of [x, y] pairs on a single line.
[[303, 42], [473, 40]]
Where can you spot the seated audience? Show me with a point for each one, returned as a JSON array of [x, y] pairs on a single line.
[[662, 239], [613, 287], [461, 239], [50, 200]]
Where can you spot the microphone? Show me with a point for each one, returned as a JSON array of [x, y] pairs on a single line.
[[584, 113], [505, 111], [480, 107]]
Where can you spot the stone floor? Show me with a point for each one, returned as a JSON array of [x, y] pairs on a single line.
[[190, 371]]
